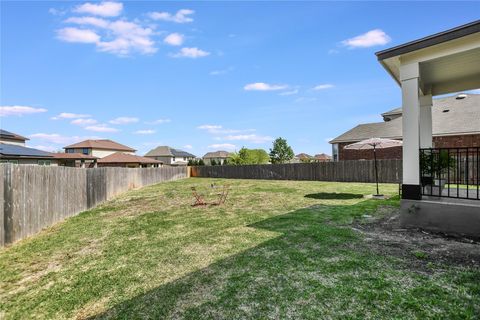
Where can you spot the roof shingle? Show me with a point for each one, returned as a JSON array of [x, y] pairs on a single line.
[[104, 144]]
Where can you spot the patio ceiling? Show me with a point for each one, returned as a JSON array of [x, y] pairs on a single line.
[[448, 61]]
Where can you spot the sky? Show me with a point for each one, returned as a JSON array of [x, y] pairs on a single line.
[[204, 76]]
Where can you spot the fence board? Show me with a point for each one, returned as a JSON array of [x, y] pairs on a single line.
[[389, 171], [35, 197]]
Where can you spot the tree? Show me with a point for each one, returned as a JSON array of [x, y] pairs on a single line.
[[248, 156], [225, 162], [213, 162], [281, 151], [200, 162]]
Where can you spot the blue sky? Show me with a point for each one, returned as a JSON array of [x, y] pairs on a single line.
[[204, 76]]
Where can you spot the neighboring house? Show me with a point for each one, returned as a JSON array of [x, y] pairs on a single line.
[[455, 123], [218, 156], [12, 153], [170, 156], [127, 160], [12, 138], [98, 148], [302, 157], [76, 160], [322, 157]]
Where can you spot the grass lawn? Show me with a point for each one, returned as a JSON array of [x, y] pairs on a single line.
[[276, 249]]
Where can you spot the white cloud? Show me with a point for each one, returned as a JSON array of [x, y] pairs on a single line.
[[6, 111], [83, 122], [159, 121], [372, 38], [174, 39], [188, 146], [46, 148], [104, 9], [221, 72], [96, 22], [289, 93], [218, 129], [101, 128], [123, 120], [190, 53], [323, 87], [129, 37], [182, 16], [68, 115], [227, 146], [58, 138], [120, 37], [148, 131], [248, 137], [78, 35], [262, 86], [209, 127]]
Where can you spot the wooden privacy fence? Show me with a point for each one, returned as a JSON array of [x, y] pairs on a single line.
[[389, 171], [35, 197]]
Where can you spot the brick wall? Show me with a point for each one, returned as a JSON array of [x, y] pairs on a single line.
[[396, 152]]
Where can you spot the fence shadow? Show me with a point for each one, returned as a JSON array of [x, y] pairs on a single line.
[[283, 276], [334, 196]]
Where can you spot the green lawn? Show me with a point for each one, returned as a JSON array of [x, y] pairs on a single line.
[[276, 249]]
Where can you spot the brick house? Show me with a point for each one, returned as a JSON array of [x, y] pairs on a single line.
[[455, 123]]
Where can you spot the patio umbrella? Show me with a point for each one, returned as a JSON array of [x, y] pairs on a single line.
[[374, 144]]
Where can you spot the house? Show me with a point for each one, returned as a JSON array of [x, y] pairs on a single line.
[[127, 160], [219, 157], [302, 157], [322, 157], [455, 123], [77, 160], [439, 185], [98, 148], [170, 156], [8, 137], [17, 154]]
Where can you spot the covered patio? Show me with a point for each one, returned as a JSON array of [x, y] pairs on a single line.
[[440, 186]]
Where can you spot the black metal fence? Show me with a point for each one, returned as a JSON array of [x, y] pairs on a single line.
[[450, 172]]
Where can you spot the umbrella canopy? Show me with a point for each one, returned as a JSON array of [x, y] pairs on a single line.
[[374, 143]]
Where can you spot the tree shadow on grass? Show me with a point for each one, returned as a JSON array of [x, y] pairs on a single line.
[[334, 196], [309, 271]]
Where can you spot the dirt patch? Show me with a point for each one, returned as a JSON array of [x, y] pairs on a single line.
[[421, 250]]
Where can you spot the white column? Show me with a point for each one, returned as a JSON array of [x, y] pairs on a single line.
[[426, 121], [409, 76]]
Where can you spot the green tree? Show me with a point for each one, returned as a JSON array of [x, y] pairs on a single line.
[[213, 162], [201, 162], [249, 156], [281, 151], [225, 162]]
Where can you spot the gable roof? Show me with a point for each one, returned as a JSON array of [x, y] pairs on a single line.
[[216, 154], [10, 135], [303, 156], [104, 144], [322, 156], [450, 116], [74, 156], [120, 157], [166, 151], [11, 150]]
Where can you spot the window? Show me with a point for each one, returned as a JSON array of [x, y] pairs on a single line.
[[9, 161], [70, 150], [43, 162], [184, 158], [85, 151], [173, 159], [335, 151]]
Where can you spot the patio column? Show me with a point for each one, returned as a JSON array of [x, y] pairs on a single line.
[[409, 77], [426, 121]]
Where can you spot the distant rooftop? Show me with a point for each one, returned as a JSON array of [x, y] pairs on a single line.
[[11, 150], [73, 156], [120, 157], [166, 151], [216, 154], [10, 135], [104, 144]]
